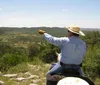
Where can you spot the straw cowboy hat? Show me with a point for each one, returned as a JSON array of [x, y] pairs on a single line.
[[76, 30], [72, 81]]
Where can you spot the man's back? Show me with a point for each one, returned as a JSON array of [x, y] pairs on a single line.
[[72, 50]]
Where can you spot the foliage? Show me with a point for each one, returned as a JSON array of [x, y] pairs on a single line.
[[2, 31], [11, 56], [9, 60], [44, 51], [4, 48], [21, 67], [92, 38], [33, 50], [48, 52], [91, 63], [39, 51]]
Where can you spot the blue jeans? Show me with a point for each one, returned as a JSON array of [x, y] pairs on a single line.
[[57, 68]]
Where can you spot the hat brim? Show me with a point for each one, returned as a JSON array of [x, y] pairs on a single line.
[[80, 32], [72, 81]]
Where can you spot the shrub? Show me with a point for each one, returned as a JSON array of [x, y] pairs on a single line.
[[4, 48], [9, 60], [48, 53], [91, 63], [33, 50]]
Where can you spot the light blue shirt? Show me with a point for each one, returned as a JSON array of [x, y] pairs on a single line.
[[72, 48]]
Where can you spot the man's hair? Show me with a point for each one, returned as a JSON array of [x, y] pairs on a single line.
[[74, 34]]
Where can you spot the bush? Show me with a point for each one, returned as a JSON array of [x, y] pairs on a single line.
[[33, 50], [91, 63], [48, 56], [48, 53], [4, 48], [11, 56], [44, 51], [9, 60]]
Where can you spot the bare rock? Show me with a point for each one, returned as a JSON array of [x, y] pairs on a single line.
[[33, 84], [10, 75], [1, 82], [20, 79], [28, 73], [35, 81], [33, 76]]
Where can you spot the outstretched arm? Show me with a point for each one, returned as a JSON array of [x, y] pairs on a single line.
[[53, 40]]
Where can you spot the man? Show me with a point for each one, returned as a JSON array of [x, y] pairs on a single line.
[[72, 49]]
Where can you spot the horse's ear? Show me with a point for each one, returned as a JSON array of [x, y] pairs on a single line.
[[58, 56]]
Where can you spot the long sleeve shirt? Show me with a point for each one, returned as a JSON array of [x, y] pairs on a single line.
[[72, 48]]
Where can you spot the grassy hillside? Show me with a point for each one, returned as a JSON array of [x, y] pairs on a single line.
[[19, 46]]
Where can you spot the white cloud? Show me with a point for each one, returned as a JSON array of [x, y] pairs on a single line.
[[17, 20], [64, 10], [23, 20], [1, 9]]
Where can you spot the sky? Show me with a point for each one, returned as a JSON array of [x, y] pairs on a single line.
[[50, 13]]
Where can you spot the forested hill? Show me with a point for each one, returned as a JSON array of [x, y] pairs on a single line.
[[23, 48], [35, 28], [52, 30]]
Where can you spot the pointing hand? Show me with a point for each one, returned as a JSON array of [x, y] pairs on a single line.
[[41, 31]]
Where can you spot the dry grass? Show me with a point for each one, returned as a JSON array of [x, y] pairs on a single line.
[[24, 70]]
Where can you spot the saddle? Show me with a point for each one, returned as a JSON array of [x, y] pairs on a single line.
[[70, 72]]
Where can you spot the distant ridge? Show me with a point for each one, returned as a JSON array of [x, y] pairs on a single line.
[[87, 29], [91, 29]]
